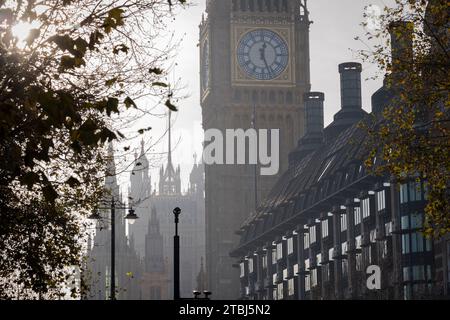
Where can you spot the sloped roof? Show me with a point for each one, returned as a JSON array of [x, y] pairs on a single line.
[[312, 182]]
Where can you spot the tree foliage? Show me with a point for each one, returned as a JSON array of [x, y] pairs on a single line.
[[411, 137], [82, 63]]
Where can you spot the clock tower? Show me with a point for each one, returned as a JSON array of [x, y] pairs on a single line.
[[254, 58]]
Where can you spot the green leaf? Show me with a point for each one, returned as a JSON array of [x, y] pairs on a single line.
[[49, 193], [110, 82], [112, 105], [107, 135], [73, 182], [160, 84], [120, 48], [157, 71], [129, 103], [171, 106], [29, 179]]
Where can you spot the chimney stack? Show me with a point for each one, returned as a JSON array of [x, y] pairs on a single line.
[[313, 137], [351, 103], [350, 85], [314, 112], [401, 56], [401, 45]]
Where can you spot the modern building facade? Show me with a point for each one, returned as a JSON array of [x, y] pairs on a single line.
[[254, 58]]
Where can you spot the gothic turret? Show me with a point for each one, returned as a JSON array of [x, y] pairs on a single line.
[[154, 257], [169, 178], [141, 184]]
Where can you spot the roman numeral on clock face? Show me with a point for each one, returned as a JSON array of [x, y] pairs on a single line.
[[262, 54]]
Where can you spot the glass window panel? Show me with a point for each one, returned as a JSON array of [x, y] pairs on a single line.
[[307, 283], [418, 273], [306, 240], [313, 277], [291, 290], [406, 274], [428, 247], [357, 215], [403, 193], [405, 222], [405, 243], [280, 291], [344, 267], [416, 221], [343, 222], [312, 232], [280, 251], [290, 245], [324, 229]]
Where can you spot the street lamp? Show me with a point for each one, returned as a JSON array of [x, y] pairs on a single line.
[[176, 257], [176, 264], [131, 217], [197, 295]]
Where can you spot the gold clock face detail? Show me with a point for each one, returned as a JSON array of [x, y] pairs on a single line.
[[262, 54]]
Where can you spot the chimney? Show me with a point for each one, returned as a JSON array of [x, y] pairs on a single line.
[[351, 103], [314, 112], [401, 61], [401, 45], [350, 85], [313, 137]]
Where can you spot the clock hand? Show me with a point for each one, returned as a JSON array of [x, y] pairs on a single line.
[[263, 57]]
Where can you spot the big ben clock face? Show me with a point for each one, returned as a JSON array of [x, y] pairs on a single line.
[[262, 54]]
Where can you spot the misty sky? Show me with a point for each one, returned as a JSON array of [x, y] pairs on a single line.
[[336, 24]]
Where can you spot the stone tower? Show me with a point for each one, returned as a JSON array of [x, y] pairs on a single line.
[[139, 192], [155, 279], [254, 58]]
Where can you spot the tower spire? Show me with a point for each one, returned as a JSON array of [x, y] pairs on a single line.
[[169, 160], [142, 146]]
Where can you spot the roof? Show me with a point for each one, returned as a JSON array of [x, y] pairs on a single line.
[[307, 187]]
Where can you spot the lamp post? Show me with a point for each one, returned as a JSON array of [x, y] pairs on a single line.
[[131, 217], [176, 265], [176, 257]]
